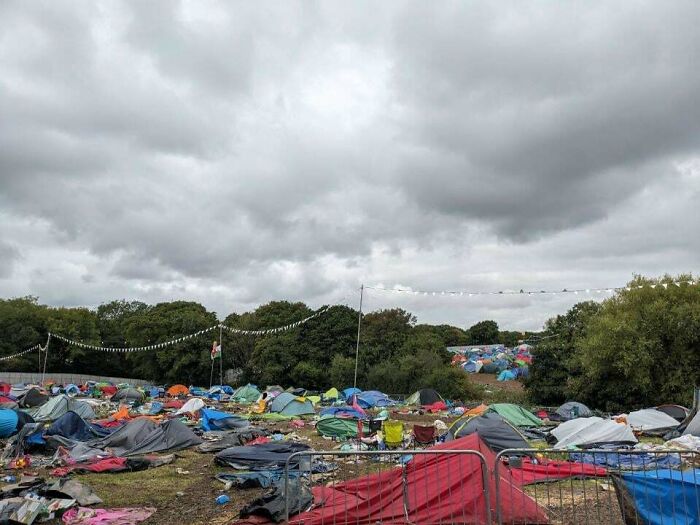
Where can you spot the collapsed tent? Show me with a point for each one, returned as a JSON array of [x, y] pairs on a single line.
[[492, 428], [331, 394], [651, 420], [373, 398], [59, 405], [424, 492], [344, 412], [693, 426], [339, 427], [349, 392], [592, 431], [424, 396], [289, 405], [265, 456], [192, 406], [677, 412], [142, 436], [70, 425], [32, 398], [572, 410], [178, 390], [216, 420], [246, 394], [129, 395], [516, 415]]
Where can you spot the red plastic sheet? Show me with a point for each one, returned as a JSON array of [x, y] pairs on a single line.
[[551, 470]]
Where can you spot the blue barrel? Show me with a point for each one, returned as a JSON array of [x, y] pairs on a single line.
[[8, 422]]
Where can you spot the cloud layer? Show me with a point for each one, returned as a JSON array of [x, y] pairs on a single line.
[[234, 153]]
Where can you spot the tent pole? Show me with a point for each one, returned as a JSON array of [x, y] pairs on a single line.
[[211, 372], [221, 356], [359, 325], [46, 358]]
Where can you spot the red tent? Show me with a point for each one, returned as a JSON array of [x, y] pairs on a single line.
[[439, 488], [4, 388]]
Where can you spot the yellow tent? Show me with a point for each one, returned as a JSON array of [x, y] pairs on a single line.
[[331, 393], [314, 399]]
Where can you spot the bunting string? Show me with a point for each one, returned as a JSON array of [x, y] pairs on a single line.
[[575, 291], [279, 328], [23, 352]]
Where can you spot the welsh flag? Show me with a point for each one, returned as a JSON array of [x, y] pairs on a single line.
[[215, 351]]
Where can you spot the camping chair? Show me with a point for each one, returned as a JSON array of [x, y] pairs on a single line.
[[393, 433], [424, 434]]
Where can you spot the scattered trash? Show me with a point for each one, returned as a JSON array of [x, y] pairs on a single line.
[[182, 471], [9, 479], [222, 500]]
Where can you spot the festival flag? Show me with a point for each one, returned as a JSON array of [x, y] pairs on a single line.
[[215, 351]]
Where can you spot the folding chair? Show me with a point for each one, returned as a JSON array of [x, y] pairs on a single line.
[[393, 433], [424, 434]]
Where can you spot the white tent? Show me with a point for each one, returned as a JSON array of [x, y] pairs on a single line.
[[192, 405], [693, 428], [592, 431], [650, 419]]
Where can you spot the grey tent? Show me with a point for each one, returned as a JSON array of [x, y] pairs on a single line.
[[129, 395], [677, 412], [592, 431], [651, 420], [265, 456], [493, 429], [59, 405], [693, 426], [572, 410], [143, 436]]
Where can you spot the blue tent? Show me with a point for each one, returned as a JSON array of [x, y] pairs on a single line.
[[373, 398], [8, 422], [70, 425], [507, 375], [342, 412], [660, 497], [217, 420], [289, 405], [226, 389], [198, 391], [72, 389], [349, 392]]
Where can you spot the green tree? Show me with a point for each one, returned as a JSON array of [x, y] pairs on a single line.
[[483, 333]]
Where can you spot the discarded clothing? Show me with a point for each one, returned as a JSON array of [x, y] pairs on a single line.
[[121, 516]]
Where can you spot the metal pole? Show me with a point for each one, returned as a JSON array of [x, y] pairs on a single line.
[[211, 372], [46, 358], [221, 356], [359, 325]]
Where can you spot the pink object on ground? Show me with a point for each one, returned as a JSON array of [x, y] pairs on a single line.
[[123, 516]]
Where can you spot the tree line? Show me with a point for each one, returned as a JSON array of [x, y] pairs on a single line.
[[639, 348], [397, 355]]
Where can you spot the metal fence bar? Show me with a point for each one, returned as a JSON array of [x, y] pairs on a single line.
[[64, 378], [644, 482], [401, 508]]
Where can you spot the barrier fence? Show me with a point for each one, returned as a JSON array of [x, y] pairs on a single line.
[[407, 486], [64, 378], [515, 486]]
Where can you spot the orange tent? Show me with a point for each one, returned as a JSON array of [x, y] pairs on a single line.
[[178, 390], [122, 413], [477, 411]]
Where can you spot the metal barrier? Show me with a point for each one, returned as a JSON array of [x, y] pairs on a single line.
[[433, 487], [599, 486], [65, 378]]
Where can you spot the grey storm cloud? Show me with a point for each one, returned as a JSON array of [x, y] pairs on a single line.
[[234, 153]]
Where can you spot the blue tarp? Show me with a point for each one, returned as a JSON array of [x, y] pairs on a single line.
[[624, 461], [665, 497], [506, 375], [216, 420]]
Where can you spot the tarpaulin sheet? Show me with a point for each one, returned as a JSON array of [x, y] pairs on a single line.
[[661, 497], [622, 461], [549, 470]]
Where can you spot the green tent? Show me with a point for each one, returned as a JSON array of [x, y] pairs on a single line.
[[246, 394], [516, 415], [331, 394], [339, 427]]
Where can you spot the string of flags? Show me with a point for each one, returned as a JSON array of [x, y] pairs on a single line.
[[278, 329], [23, 352], [575, 291], [175, 341]]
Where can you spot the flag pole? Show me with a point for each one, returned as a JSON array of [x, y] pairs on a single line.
[[221, 356], [211, 372], [359, 324]]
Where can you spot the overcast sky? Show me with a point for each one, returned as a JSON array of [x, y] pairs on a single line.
[[236, 153]]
